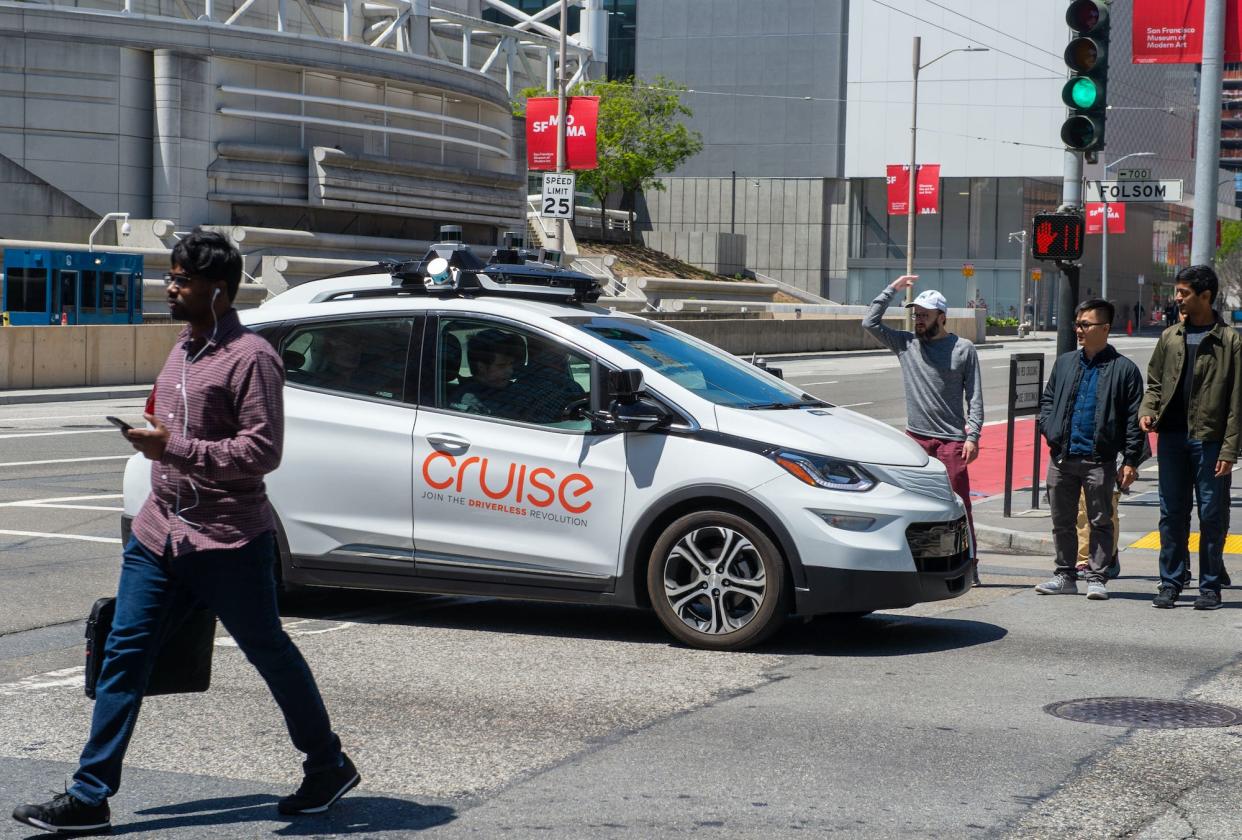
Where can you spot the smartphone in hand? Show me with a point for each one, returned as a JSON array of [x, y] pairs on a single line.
[[119, 423]]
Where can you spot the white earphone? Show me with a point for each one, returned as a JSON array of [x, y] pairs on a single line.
[[215, 294]]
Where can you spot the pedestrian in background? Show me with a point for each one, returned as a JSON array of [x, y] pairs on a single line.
[[1088, 413], [944, 390], [1194, 383], [204, 535]]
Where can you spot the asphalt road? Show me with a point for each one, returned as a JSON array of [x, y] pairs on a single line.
[[488, 718]]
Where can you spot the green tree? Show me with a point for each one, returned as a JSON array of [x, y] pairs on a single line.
[[639, 137], [1229, 259]]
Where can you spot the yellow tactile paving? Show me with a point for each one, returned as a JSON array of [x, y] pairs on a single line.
[[1233, 545]]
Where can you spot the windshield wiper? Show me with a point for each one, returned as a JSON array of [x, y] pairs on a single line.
[[795, 404]]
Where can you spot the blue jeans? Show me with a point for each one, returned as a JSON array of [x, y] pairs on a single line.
[[238, 585], [1187, 464]]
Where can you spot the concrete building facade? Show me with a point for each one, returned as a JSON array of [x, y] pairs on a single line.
[[287, 116]]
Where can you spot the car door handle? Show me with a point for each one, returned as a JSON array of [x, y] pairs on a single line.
[[451, 444]]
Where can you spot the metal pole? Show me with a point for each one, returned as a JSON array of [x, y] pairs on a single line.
[[1066, 298], [1207, 146], [1104, 248], [560, 121], [912, 198], [1022, 286], [732, 200]]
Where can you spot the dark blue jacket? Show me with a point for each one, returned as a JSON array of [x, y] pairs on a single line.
[[1119, 393]]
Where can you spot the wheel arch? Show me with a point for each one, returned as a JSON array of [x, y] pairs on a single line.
[[632, 585]]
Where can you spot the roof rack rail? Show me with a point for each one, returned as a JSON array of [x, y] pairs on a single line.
[[452, 269]]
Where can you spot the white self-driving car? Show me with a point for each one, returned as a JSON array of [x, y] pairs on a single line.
[[459, 428]]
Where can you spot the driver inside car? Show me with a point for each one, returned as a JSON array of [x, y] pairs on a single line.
[[549, 390]]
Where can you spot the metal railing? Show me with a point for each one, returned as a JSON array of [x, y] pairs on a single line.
[[522, 55]]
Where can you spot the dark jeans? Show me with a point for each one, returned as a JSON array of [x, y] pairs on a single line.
[[239, 587], [949, 453], [1071, 478], [1188, 469]]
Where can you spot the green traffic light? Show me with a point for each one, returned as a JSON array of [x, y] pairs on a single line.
[[1084, 93]]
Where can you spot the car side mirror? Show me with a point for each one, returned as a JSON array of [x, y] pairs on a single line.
[[638, 415], [625, 385]]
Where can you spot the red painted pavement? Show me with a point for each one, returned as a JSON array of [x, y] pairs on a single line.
[[987, 473]]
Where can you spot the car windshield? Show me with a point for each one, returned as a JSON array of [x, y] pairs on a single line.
[[710, 373]]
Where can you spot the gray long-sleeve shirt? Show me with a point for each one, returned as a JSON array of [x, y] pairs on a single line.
[[941, 377]]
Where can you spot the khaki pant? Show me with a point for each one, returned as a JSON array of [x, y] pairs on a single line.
[[1084, 529]]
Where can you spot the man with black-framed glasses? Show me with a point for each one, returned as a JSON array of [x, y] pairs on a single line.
[[1088, 413]]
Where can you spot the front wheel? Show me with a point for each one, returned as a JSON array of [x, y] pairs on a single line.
[[717, 582]]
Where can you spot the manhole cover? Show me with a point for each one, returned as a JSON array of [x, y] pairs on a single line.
[[1145, 712]]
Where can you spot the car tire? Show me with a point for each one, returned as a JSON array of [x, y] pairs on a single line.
[[717, 581]]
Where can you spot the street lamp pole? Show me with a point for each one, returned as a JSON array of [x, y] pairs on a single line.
[[912, 197], [1020, 235]]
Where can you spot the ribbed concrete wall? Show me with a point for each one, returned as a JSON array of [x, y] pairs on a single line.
[[102, 112]]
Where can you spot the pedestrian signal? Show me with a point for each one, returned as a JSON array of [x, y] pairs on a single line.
[[1057, 236]]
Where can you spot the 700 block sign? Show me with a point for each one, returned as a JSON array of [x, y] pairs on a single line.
[[557, 201]]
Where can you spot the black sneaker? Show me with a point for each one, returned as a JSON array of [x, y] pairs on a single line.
[[66, 814], [1208, 600], [1224, 577], [320, 790], [1166, 599], [1186, 578]]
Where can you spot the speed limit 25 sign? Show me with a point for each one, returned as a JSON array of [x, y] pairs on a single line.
[[557, 201]]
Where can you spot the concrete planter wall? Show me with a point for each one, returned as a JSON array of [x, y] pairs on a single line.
[[60, 357]]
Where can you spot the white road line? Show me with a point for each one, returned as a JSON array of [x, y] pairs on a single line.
[[853, 405], [52, 679], [110, 430], [65, 461], [29, 502], [809, 384], [64, 507], [113, 540], [94, 414]]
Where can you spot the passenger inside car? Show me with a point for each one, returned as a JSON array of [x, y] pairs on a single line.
[[493, 355]]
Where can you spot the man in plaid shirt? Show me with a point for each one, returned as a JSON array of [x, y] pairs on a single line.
[[206, 534]]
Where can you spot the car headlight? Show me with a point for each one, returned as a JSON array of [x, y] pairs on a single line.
[[822, 471]]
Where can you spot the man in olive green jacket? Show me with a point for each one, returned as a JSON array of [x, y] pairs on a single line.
[[1194, 384]]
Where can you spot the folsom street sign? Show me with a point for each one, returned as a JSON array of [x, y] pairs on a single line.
[[1134, 191]]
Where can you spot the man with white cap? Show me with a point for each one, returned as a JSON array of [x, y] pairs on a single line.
[[940, 372]]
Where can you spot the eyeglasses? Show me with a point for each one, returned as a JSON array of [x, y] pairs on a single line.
[[1086, 325], [182, 280]]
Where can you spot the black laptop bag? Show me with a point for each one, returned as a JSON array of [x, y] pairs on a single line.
[[183, 664]]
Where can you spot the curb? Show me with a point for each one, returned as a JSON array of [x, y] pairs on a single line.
[[73, 394], [1016, 542]]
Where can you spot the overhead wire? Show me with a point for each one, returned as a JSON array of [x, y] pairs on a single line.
[[1115, 82]]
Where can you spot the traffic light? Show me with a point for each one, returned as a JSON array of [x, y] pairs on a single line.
[[1057, 236], [1085, 93]]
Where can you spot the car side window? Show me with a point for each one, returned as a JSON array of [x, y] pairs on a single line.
[[365, 358], [509, 373]]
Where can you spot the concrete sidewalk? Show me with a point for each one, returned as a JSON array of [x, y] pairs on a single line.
[[48, 395]]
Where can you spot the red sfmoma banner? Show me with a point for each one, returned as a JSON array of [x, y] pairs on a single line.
[[926, 193], [1171, 32], [581, 118], [1116, 217]]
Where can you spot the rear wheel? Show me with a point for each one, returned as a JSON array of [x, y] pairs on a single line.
[[717, 582]]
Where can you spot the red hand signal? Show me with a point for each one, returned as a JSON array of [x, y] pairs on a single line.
[[1044, 236]]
